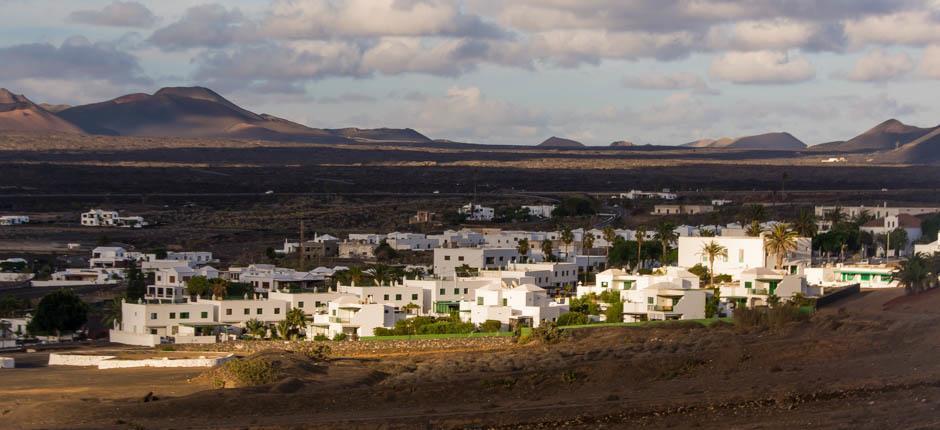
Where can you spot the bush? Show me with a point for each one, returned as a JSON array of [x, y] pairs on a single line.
[[572, 318], [446, 327], [339, 337], [320, 338], [317, 352], [548, 333], [614, 312], [491, 326], [246, 373]]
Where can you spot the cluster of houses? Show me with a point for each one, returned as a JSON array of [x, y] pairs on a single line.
[[110, 218], [475, 212], [14, 219]]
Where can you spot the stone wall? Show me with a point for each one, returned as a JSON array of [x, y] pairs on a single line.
[[57, 359], [358, 348]]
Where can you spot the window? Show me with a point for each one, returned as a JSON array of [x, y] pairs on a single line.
[[442, 291], [748, 284], [259, 311], [460, 258], [397, 296], [505, 302], [480, 301], [385, 297], [247, 311], [446, 258], [184, 315], [300, 304], [277, 311], [316, 304], [153, 315], [456, 290], [465, 291], [414, 297], [172, 279], [650, 300], [172, 315], [204, 315], [228, 311]]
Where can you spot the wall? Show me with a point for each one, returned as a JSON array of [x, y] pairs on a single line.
[[138, 339], [56, 359], [7, 363]]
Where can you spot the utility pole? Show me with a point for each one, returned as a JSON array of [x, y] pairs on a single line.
[[300, 249]]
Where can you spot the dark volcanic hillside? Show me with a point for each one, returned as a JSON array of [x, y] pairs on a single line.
[[18, 113], [925, 150], [769, 141], [186, 112], [559, 142], [382, 134], [886, 136]]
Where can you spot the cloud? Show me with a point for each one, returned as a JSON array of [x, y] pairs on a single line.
[[916, 28], [929, 66], [76, 58], [674, 81], [880, 66], [210, 25], [761, 67], [348, 98], [116, 14]]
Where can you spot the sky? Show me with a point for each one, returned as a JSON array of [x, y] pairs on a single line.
[[662, 72]]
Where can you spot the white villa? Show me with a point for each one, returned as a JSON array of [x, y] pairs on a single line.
[[477, 213], [744, 253], [540, 211], [446, 260], [512, 305], [928, 248], [106, 218]]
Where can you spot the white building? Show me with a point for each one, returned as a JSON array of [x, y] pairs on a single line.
[[540, 211], [477, 212], [109, 257], [350, 316], [459, 239], [636, 195], [267, 277], [197, 258], [867, 276], [515, 305], [105, 218], [170, 283], [14, 219], [446, 260], [744, 253], [756, 285], [883, 226], [929, 248], [411, 242], [550, 276]]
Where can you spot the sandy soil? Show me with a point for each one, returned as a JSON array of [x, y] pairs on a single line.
[[861, 364]]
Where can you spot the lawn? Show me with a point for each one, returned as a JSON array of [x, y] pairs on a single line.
[[436, 336]]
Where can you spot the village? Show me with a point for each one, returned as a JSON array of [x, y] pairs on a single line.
[[484, 279]]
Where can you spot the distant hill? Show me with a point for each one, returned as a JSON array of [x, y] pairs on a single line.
[[925, 150], [558, 142], [54, 108], [382, 134], [886, 136], [621, 144], [768, 141], [18, 113]]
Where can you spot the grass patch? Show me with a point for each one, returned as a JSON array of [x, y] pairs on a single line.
[[704, 322], [436, 336]]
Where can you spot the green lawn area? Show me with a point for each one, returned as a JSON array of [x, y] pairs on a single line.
[[525, 331]]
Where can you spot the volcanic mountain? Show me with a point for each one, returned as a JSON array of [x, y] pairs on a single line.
[[621, 144], [925, 150], [769, 141], [18, 113], [558, 142], [889, 135]]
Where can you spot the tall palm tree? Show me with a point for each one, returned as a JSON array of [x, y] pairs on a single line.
[[567, 236], [666, 235], [356, 274], [640, 236], [754, 212], [283, 329], [297, 320], [862, 217], [712, 250], [113, 312], [806, 224], [913, 273], [609, 235], [547, 250], [523, 249], [754, 229], [780, 241], [835, 216], [587, 242], [706, 232], [219, 287], [381, 274]]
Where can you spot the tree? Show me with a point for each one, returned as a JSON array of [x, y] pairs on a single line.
[[356, 274], [523, 248], [706, 232], [112, 312], [255, 328], [218, 287], [136, 284], [547, 250], [806, 224], [283, 329], [385, 252], [614, 312], [381, 274], [640, 236], [755, 212], [898, 238], [712, 250], [587, 242], [754, 229], [862, 218], [464, 270], [665, 235], [572, 318], [609, 235], [58, 312], [10, 305], [835, 216], [712, 303], [567, 236], [297, 320], [780, 241], [197, 286]]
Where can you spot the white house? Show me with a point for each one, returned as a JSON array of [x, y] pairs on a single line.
[[928, 248], [477, 212], [540, 211], [411, 242], [550, 276], [446, 260], [149, 324], [867, 276], [267, 277], [197, 258], [109, 257], [670, 293], [106, 218], [522, 305], [349, 315], [14, 219], [883, 226], [459, 239], [170, 283], [756, 285], [636, 195], [744, 253]]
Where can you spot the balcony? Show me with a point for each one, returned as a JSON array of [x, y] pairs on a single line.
[[339, 320], [659, 308]]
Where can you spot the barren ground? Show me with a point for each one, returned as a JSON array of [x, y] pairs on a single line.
[[863, 364]]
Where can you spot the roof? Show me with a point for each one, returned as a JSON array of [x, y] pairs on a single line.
[[528, 287], [760, 271], [904, 220]]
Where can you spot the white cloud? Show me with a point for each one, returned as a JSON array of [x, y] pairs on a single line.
[[916, 27], [667, 81], [879, 66], [930, 63], [117, 14], [774, 34], [761, 67]]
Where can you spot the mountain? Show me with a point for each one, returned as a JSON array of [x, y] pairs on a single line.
[[558, 142], [886, 136], [186, 112], [54, 108], [925, 150], [621, 144], [769, 141], [18, 113], [382, 134]]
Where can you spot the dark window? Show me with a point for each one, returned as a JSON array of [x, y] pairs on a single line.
[[184, 315], [204, 315]]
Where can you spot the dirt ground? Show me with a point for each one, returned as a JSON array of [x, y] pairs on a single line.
[[870, 362]]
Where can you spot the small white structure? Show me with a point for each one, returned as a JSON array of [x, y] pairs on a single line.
[[477, 213], [524, 305], [109, 257], [757, 285], [682, 209], [349, 315], [550, 276], [446, 260], [109, 218], [540, 211], [14, 220], [636, 195], [929, 248], [721, 202], [867, 276]]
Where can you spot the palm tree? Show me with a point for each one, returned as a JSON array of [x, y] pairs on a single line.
[[255, 328], [862, 217], [297, 320], [913, 273], [666, 235], [835, 216], [587, 242], [414, 273], [547, 250], [609, 235], [712, 250], [567, 236], [780, 241], [753, 229], [640, 236], [806, 224], [113, 312], [219, 287], [523, 249], [356, 274], [755, 212], [283, 329], [706, 232], [381, 274]]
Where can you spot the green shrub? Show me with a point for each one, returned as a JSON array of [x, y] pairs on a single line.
[[339, 337], [446, 327], [491, 326], [246, 373], [572, 318], [320, 338], [614, 312], [318, 352], [548, 332]]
